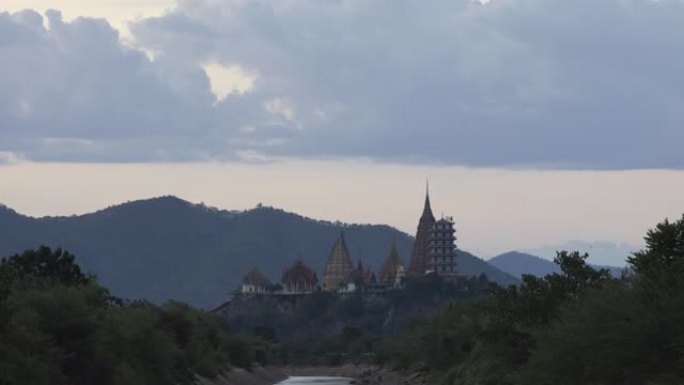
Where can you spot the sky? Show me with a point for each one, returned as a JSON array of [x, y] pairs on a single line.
[[539, 122]]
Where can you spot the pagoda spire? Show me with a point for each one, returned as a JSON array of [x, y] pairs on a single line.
[[427, 209], [419, 257]]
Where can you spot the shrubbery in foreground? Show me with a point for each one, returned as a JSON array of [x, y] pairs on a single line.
[[57, 326]]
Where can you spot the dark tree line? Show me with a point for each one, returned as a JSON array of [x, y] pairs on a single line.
[[326, 329], [57, 326], [577, 327]]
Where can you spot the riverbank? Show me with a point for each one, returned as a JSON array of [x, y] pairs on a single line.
[[380, 376], [351, 371], [362, 375], [258, 375]]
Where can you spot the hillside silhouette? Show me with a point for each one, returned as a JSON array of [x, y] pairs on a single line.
[[517, 264], [167, 248]]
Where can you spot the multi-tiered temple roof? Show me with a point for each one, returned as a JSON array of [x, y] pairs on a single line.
[[339, 267], [256, 278], [362, 275], [255, 282], [420, 255], [392, 267], [299, 278]]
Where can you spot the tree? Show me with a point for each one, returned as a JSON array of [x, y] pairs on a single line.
[[663, 258], [577, 275], [58, 326], [627, 331], [599, 339], [539, 300], [42, 264]]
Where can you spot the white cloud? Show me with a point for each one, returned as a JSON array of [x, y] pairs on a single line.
[[226, 80], [280, 107]]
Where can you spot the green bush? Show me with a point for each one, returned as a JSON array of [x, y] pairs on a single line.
[[57, 326]]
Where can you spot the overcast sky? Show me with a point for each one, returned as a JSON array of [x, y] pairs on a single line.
[[548, 95]]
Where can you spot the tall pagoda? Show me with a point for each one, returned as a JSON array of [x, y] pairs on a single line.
[[442, 249], [339, 266], [420, 256]]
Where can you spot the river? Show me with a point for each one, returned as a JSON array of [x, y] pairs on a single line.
[[316, 381]]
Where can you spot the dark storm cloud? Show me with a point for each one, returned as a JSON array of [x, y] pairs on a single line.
[[531, 83]]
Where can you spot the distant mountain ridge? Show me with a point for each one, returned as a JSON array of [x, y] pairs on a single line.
[[601, 252], [516, 264], [167, 248]]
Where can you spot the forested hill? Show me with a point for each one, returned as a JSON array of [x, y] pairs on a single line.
[[167, 248]]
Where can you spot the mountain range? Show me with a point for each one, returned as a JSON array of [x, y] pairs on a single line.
[[517, 264], [600, 252], [167, 248]]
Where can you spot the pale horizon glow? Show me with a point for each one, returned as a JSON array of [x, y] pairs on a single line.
[[495, 210]]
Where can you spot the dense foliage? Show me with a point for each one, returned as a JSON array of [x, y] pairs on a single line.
[[579, 326], [323, 328], [57, 326]]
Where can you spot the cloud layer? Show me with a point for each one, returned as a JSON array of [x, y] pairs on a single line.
[[532, 83]]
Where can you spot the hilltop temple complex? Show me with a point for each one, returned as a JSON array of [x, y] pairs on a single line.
[[434, 252]]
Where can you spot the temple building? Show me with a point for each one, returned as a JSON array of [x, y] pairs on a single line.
[[442, 249], [392, 270], [255, 282], [362, 276], [299, 279], [420, 257], [339, 267]]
